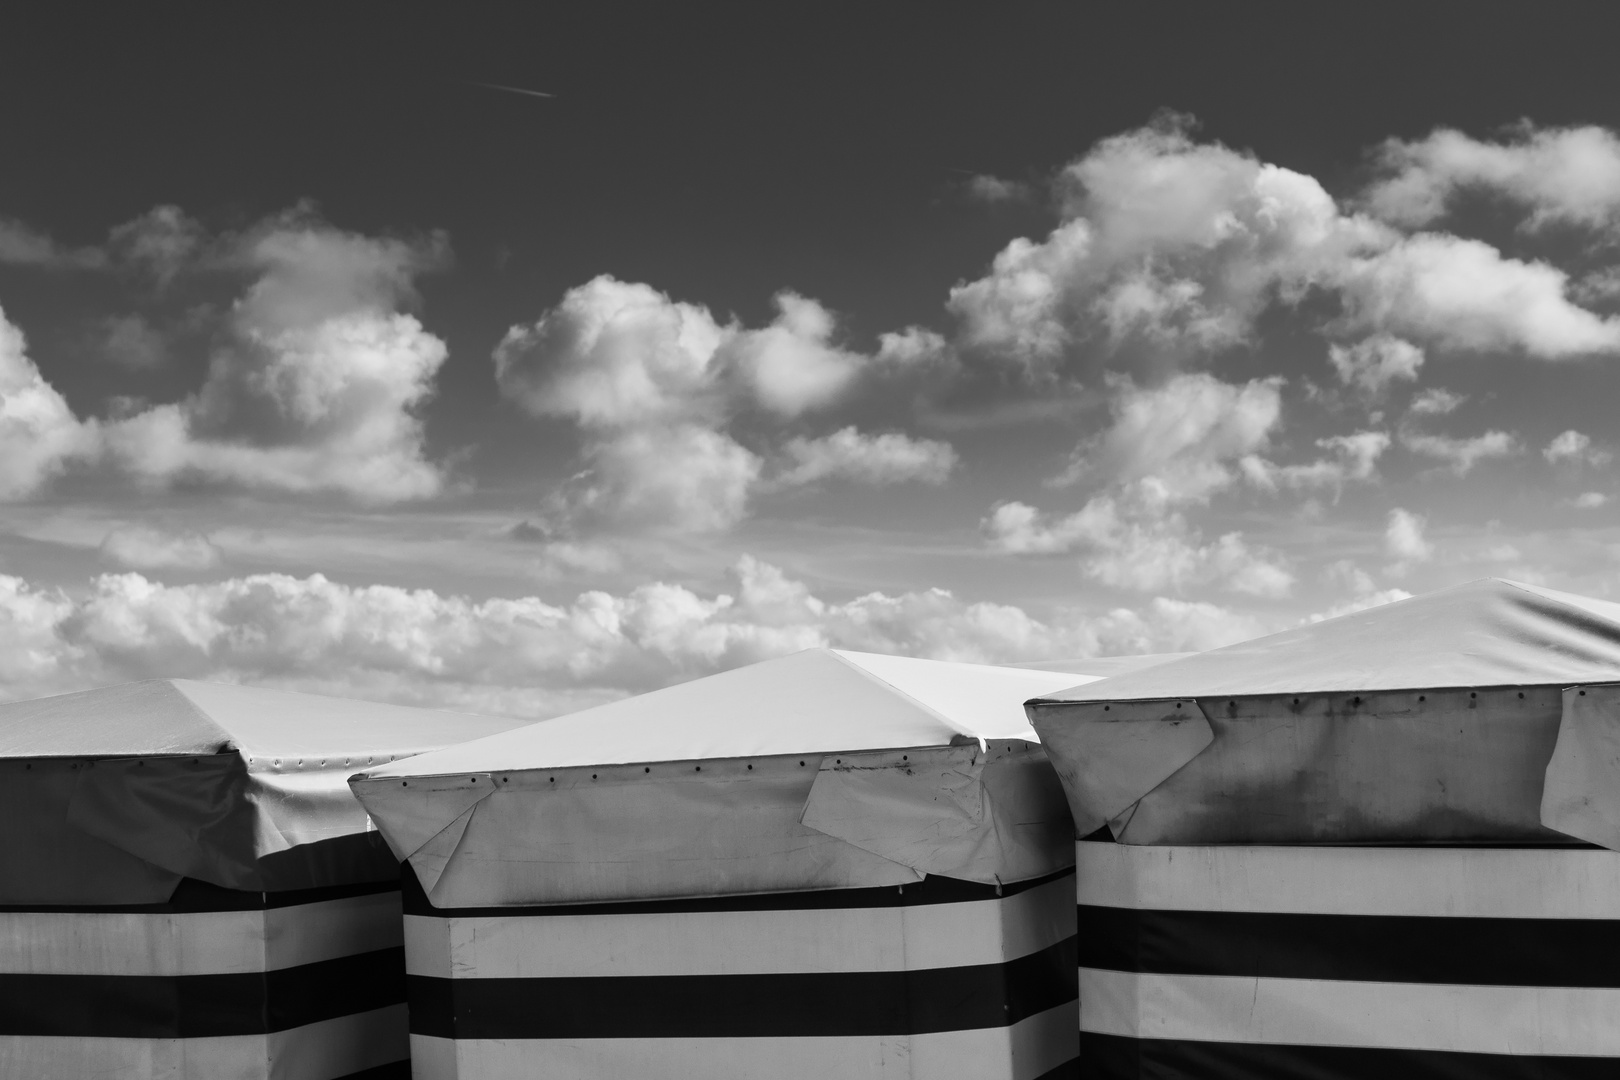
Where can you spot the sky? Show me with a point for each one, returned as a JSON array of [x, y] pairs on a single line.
[[989, 334]]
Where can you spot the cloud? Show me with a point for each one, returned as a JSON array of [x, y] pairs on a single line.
[[521, 656], [39, 434], [132, 342], [1435, 401], [1461, 454], [890, 458], [1575, 446], [1403, 537], [1567, 175], [1355, 458], [791, 364], [655, 385], [994, 189], [1590, 500], [319, 384], [160, 243], [1179, 439], [1376, 362], [1180, 246], [143, 547], [682, 477], [1132, 546], [1465, 295], [21, 245]]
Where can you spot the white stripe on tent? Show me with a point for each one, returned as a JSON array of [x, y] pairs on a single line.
[[321, 1051], [1530, 1020], [743, 942], [197, 943], [1024, 1051], [1509, 883]]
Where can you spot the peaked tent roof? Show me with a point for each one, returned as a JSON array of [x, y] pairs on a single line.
[[181, 717], [810, 702], [1489, 632]]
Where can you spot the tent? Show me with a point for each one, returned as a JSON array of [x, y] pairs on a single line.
[[188, 888], [828, 864], [1371, 845]]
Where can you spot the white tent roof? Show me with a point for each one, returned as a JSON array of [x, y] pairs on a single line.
[[181, 717], [815, 701], [1484, 633]]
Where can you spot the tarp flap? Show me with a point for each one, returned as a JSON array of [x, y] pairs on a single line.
[[47, 861], [934, 810], [1581, 797], [1109, 756], [187, 815], [585, 835], [1485, 633]]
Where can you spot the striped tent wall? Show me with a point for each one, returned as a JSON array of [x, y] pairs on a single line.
[[212, 985], [1339, 962], [940, 980]]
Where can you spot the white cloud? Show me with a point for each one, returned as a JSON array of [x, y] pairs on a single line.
[[1185, 244], [39, 435], [1134, 546], [1575, 446], [1461, 454], [682, 477], [132, 342], [1403, 537], [792, 364], [160, 243], [1355, 459], [1376, 362], [1567, 175], [319, 385], [1464, 294], [1435, 401], [889, 458], [1178, 440], [1590, 500], [143, 547], [614, 353], [521, 656]]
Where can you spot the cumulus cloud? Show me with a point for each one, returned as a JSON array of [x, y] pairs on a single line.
[[159, 243], [1590, 500], [1129, 546], [1182, 245], [1179, 439], [522, 656], [1363, 592], [145, 547], [1373, 364], [1354, 457], [1561, 175], [1576, 447], [1435, 401], [889, 458], [1461, 454], [39, 434], [654, 385], [320, 383], [1403, 537]]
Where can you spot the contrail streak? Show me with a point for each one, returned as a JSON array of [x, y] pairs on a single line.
[[512, 89]]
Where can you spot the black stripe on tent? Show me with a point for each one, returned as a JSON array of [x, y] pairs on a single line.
[[931, 890], [394, 1070], [746, 1006], [1372, 948], [197, 1006], [192, 896], [1069, 1070], [1112, 1057]]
